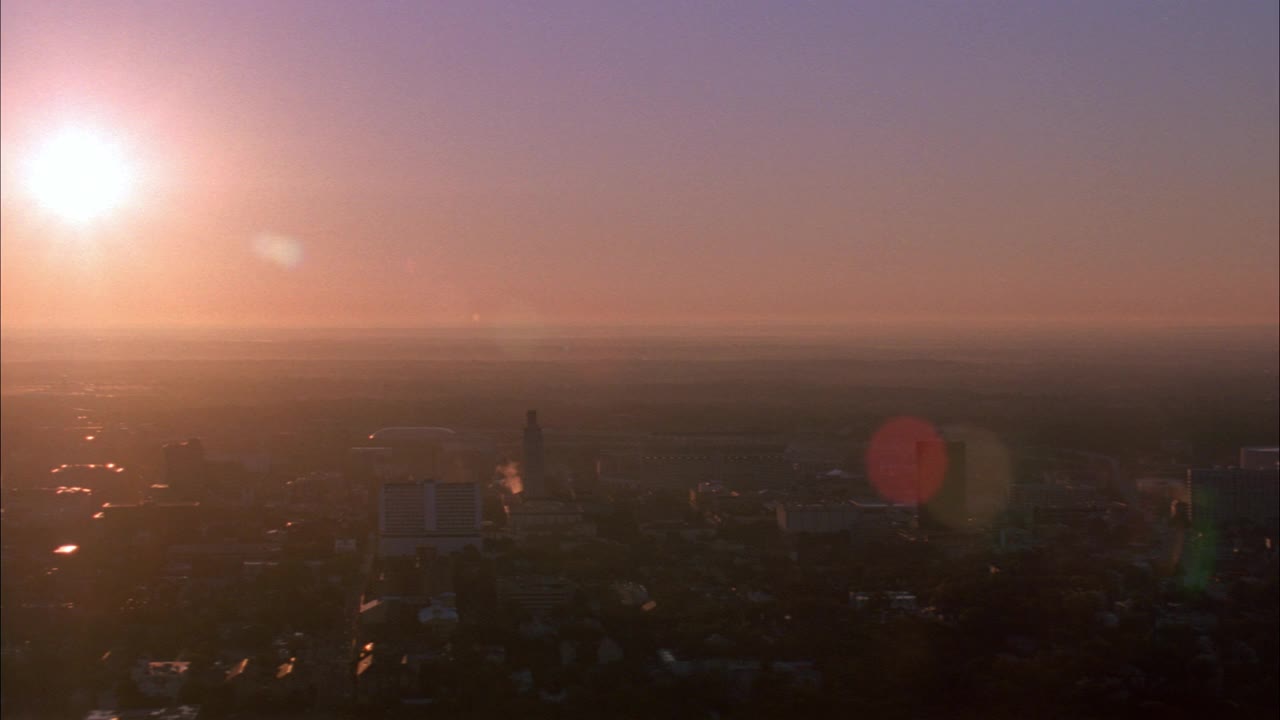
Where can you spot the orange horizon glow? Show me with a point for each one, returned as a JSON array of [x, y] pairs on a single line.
[[638, 170]]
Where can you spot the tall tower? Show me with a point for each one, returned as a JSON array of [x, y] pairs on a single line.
[[533, 473]]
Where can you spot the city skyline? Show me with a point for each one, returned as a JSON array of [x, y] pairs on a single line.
[[680, 359]]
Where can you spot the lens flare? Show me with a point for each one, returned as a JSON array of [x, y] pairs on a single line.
[[989, 472], [891, 461], [279, 250]]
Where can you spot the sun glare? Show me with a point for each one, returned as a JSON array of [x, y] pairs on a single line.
[[80, 175]]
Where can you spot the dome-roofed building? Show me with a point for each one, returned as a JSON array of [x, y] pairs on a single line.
[[420, 451], [409, 435]]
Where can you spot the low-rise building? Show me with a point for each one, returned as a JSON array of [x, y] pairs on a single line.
[[538, 517], [535, 593], [1227, 496], [161, 680], [817, 518]]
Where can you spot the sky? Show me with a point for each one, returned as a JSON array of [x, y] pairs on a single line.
[[400, 164]]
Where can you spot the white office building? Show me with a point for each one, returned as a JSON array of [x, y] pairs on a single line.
[[441, 517]]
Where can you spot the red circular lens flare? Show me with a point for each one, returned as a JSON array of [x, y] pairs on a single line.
[[893, 465]]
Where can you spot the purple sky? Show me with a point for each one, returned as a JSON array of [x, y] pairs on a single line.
[[309, 163]]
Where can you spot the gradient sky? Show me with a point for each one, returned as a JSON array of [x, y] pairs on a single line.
[[650, 162]]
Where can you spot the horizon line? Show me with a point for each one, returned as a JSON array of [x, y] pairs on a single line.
[[632, 326]]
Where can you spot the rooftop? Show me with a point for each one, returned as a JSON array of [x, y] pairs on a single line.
[[411, 434]]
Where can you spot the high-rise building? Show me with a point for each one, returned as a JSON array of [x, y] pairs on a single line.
[[942, 485], [442, 517], [457, 507], [1225, 496], [533, 471], [406, 509]]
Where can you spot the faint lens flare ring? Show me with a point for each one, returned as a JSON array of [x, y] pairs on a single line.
[[279, 250]]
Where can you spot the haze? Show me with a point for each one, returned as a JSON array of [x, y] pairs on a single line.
[[415, 164]]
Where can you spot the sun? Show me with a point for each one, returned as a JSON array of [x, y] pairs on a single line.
[[80, 175]]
